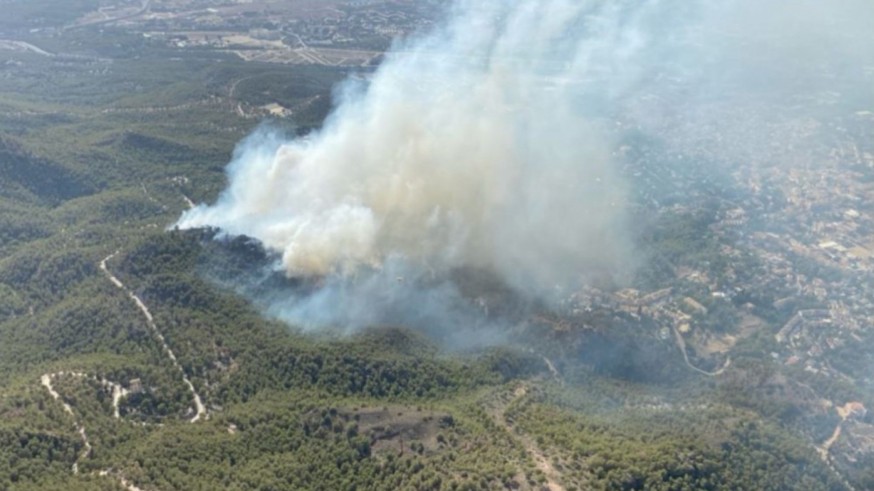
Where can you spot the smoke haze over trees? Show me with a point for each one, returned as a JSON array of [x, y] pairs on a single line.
[[493, 143]]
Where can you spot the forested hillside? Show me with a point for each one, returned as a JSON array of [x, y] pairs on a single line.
[[128, 362]]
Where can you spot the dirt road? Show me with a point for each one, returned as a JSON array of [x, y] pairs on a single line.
[[681, 344], [200, 409], [531, 448]]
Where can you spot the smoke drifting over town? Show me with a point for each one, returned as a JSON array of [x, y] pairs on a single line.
[[491, 144]]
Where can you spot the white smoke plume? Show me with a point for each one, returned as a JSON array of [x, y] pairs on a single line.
[[466, 149], [489, 143]]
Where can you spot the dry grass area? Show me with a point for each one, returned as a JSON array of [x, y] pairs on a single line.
[[719, 344], [400, 428]]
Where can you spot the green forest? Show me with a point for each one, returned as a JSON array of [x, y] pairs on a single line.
[[97, 161]]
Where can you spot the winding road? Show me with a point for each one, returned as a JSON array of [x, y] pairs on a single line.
[[47, 381], [681, 343], [200, 409], [825, 451], [531, 448], [117, 390]]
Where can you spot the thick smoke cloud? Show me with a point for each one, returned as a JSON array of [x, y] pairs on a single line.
[[466, 149], [491, 144]]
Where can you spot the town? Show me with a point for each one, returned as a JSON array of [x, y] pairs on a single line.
[[790, 262], [331, 33]]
